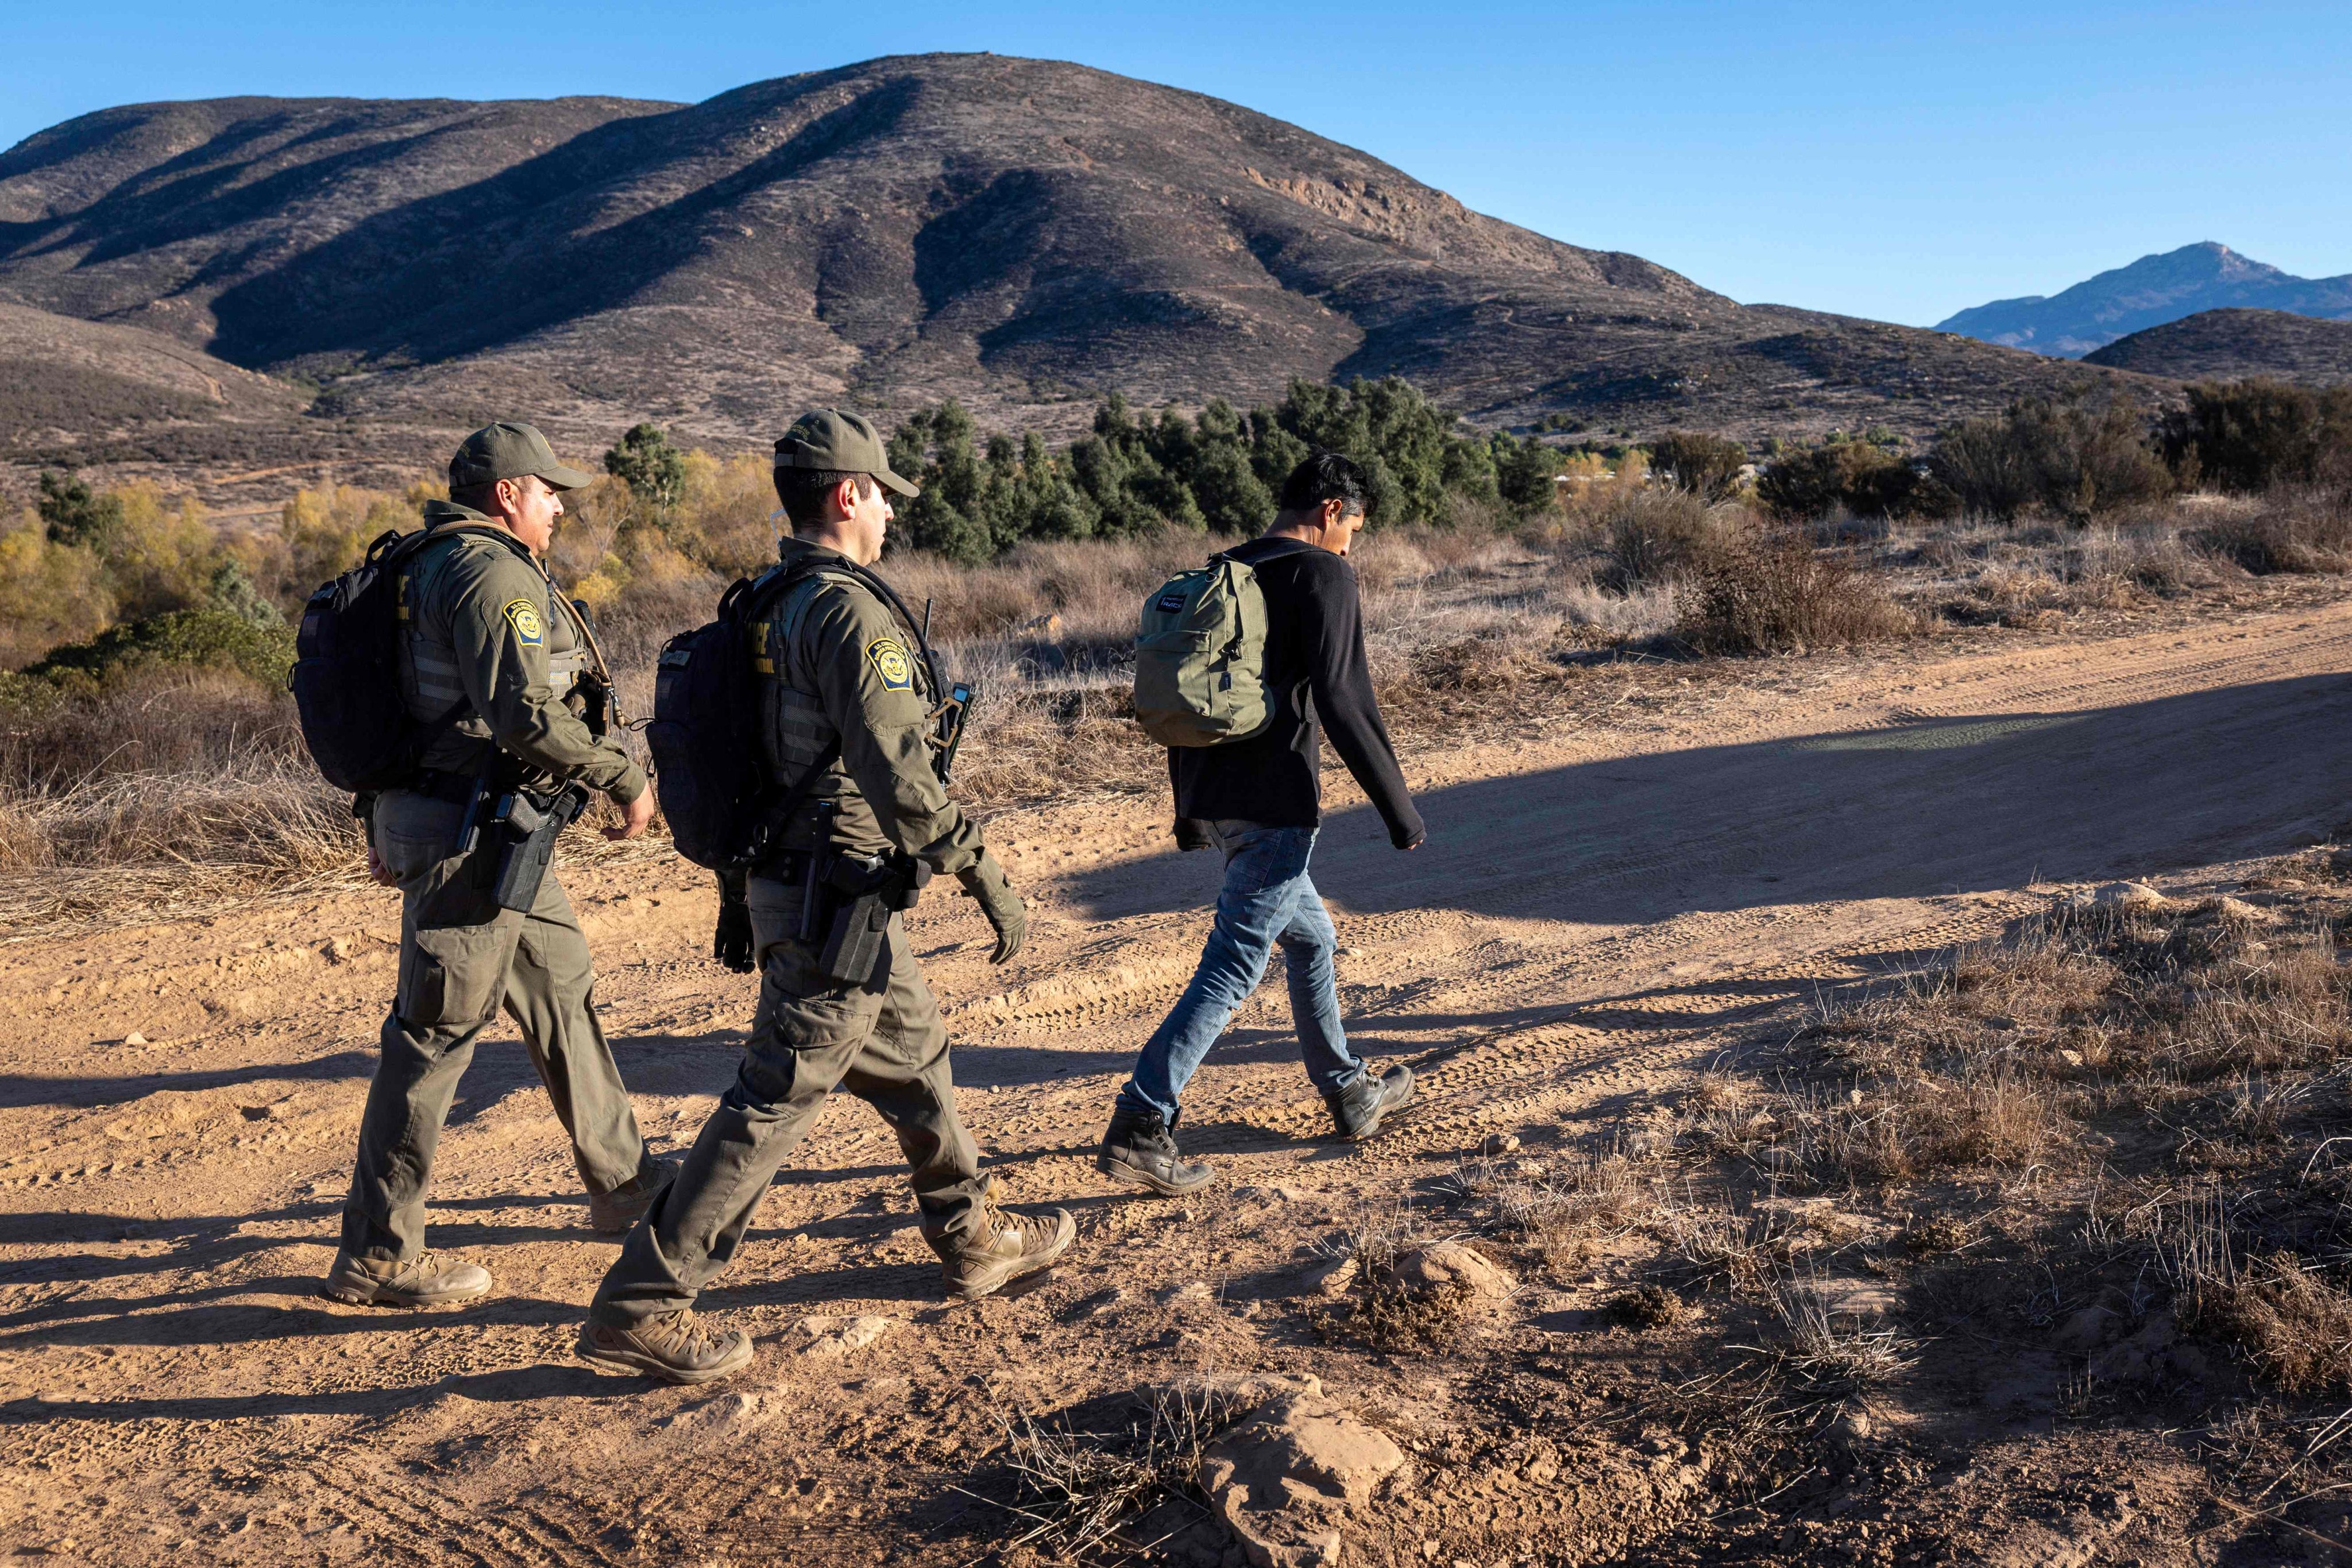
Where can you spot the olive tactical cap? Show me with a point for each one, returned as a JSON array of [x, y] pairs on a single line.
[[504, 451], [844, 443]]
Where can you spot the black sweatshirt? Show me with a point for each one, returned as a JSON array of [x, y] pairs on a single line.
[[1315, 670]]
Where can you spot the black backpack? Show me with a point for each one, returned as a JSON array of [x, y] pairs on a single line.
[[346, 675], [708, 773]]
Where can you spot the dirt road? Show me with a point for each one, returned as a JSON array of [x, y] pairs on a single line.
[[1594, 915]]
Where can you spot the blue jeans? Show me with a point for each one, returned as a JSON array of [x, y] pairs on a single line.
[[1267, 899]]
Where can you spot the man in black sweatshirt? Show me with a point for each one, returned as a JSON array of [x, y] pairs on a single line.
[[1260, 801]]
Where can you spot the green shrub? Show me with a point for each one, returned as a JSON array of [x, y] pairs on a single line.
[[1861, 476], [2071, 456], [196, 637], [984, 493], [1708, 466], [2247, 436]]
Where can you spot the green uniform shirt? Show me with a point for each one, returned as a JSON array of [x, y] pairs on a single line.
[[852, 672], [484, 623]]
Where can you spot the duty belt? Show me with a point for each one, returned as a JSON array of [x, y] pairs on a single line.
[[458, 789]]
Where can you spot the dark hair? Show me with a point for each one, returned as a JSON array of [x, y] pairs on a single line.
[[483, 498], [802, 492], [1326, 475]]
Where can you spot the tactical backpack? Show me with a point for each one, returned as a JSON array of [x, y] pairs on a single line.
[[708, 773], [346, 675], [1199, 659]]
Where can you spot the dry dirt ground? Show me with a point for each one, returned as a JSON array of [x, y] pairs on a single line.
[[1596, 915]]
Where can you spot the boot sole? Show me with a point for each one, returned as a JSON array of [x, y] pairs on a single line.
[[1112, 1165], [1004, 1273], [661, 1371], [370, 1296]]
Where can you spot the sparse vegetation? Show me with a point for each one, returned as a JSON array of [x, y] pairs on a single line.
[[1502, 571]]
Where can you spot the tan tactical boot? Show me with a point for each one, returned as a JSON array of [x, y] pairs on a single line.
[[427, 1279], [672, 1347], [1005, 1248], [610, 1214]]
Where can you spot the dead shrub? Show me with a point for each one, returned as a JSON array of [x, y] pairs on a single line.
[[1647, 1306], [1762, 593], [2294, 1325], [1651, 536], [2292, 528]]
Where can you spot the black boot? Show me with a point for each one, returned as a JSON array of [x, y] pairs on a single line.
[[1357, 1110], [1141, 1148]]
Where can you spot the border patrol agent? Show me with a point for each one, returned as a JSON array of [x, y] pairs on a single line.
[[487, 639], [844, 691]]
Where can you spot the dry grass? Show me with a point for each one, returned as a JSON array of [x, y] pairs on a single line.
[[1826, 1353], [2294, 1323], [1075, 1490], [171, 790], [1756, 593]]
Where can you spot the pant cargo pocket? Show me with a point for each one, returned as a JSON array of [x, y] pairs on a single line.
[[456, 975]]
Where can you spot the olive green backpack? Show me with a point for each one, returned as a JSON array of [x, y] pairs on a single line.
[[1199, 659]]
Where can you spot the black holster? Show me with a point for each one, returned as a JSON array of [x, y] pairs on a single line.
[[846, 902], [527, 825]]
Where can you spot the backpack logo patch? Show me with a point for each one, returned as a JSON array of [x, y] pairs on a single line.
[[1171, 602], [523, 616], [891, 663]]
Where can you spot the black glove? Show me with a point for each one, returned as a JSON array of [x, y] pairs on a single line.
[[730, 941], [984, 880]]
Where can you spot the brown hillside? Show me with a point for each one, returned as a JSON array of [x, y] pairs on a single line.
[[1023, 234], [2224, 345]]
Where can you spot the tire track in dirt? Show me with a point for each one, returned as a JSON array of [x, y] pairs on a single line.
[[1598, 913]]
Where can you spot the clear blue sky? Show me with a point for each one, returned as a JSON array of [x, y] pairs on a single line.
[[1896, 161]]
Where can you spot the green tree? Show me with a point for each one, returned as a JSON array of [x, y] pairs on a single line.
[[74, 514], [1526, 473], [653, 470]]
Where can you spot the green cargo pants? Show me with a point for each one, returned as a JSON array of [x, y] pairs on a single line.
[[462, 958], [883, 1041]]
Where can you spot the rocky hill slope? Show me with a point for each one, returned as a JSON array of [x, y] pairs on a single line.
[[1022, 234], [2150, 292], [2225, 345]]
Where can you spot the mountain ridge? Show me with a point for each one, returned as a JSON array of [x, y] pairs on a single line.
[[2155, 290], [2233, 345], [1022, 234]]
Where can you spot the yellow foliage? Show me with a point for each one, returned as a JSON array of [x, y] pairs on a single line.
[[50, 593], [325, 533], [164, 555], [603, 587], [729, 508]]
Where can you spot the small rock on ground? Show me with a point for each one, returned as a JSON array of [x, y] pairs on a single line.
[[829, 1339], [1287, 1480], [1449, 1265]]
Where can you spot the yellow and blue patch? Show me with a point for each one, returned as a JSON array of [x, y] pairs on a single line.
[[890, 662], [530, 624]]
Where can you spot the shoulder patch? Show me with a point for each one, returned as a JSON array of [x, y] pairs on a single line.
[[526, 621], [891, 663]]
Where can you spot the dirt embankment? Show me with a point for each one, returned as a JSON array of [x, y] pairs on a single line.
[[1596, 916]]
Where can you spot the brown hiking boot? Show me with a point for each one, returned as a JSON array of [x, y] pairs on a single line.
[[427, 1279], [610, 1214], [672, 1347], [1006, 1247]]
